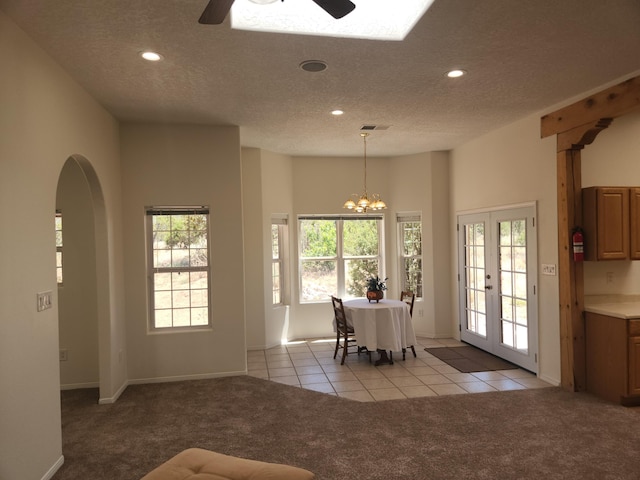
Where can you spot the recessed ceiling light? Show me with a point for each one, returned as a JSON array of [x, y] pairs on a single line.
[[337, 112], [151, 56], [373, 19], [455, 73], [313, 66]]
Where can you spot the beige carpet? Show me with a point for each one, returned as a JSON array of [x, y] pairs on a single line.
[[545, 434]]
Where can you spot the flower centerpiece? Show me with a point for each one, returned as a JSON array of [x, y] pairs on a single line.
[[375, 288]]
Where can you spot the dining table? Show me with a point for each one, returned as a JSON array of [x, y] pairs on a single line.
[[382, 326]]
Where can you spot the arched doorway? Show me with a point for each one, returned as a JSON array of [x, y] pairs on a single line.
[[83, 288]]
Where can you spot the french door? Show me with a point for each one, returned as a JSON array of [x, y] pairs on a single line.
[[497, 278]]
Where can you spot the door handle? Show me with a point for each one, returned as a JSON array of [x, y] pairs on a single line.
[[488, 287]]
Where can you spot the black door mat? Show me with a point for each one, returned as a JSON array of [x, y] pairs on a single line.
[[469, 359]]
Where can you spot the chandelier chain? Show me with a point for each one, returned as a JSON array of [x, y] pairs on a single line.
[[362, 203]]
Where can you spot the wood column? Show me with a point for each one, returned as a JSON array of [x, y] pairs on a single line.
[[570, 273], [577, 125]]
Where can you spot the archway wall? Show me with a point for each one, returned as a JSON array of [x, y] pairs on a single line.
[[77, 294], [45, 118]]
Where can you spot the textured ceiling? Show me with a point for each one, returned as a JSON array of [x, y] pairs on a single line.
[[522, 56]]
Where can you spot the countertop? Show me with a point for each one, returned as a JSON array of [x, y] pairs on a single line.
[[619, 309]]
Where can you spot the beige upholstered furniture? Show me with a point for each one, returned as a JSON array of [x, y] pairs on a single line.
[[196, 463]]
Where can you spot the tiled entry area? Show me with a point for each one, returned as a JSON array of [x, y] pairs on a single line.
[[310, 364]]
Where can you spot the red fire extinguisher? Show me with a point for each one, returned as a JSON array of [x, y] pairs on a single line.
[[577, 239]]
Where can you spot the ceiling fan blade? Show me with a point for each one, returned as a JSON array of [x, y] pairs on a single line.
[[215, 12], [336, 8]]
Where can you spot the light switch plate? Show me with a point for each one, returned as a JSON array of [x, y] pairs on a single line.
[[548, 269], [44, 300]]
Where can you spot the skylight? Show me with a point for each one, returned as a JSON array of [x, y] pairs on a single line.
[[371, 19]]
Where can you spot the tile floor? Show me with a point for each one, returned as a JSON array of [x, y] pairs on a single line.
[[310, 364]]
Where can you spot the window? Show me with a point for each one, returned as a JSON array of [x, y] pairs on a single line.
[[337, 255], [279, 238], [59, 246], [410, 250], [178, 266]]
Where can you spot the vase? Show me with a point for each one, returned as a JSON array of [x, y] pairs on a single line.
[[375, 295]]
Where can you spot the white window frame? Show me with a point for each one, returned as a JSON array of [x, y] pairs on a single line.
[[152, 270], [279, 264], [339, 257], [402, 219], [59, 253]]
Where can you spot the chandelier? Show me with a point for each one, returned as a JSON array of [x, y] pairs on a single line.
[[363, 203]]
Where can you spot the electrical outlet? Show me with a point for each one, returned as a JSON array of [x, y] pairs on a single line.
[[548, 269], [64, 355], [44, 300], [610, 276]]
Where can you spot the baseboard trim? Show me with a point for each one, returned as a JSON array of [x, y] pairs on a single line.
[[75, 386], [54, 468], [114, 398], [180, 378], [553, 381], [433, 336]]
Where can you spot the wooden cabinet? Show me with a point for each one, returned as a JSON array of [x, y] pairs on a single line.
[[634, 223], [611, 220], [613, 358]]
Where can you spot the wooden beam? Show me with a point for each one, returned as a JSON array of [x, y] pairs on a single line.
[[570, 273], [608, 104], [579, 137]]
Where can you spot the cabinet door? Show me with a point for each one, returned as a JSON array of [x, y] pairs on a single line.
[[634, 223], [613, 225], [634, 366]]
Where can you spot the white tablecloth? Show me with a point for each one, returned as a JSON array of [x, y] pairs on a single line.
[[386, 325]]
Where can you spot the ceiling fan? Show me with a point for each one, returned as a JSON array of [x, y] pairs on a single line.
[[216, 10]]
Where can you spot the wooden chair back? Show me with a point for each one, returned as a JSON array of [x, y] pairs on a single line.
[[409, 297], [341, 317]]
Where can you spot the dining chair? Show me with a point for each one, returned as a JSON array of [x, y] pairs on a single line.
[[345, 335], [409, 298]]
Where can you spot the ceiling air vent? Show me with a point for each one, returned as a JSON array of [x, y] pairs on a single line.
[[368, 128]]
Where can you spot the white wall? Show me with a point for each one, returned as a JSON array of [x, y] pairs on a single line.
[[256, 287], [267, 191], [509, 166], [185, 165], [420, 183], [613, 160], [277, 189], [45, 118], [77, 296], [321, 185]]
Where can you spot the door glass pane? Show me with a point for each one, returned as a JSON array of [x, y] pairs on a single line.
[[513, 284], [507, 334], [475, 272]]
